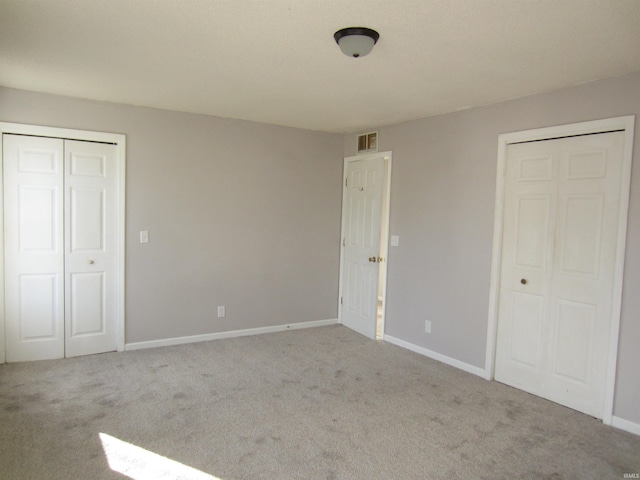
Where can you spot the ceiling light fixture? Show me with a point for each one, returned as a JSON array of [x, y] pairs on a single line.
[[356, 41]]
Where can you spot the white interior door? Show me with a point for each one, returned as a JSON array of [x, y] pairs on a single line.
[[34, 247], [60, 252], [90, 239], [361, 244], [562, 201]]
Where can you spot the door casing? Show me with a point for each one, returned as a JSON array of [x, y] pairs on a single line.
[[385, 211], [120, 141], [625, 124]]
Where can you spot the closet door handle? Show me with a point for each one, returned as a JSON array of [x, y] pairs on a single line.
[[91, 262]]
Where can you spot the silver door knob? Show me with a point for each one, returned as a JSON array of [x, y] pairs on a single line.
[[91, 262]]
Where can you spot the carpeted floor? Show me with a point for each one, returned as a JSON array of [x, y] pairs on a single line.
[[322, 403]]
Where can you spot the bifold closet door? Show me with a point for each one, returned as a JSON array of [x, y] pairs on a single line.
[[562, 207], [60, 232]]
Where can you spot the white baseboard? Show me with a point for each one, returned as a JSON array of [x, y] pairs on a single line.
[[623, 424], [481, 372], [166, 342]]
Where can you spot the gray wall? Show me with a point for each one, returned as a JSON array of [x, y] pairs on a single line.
[[442, 205], [239, 214]]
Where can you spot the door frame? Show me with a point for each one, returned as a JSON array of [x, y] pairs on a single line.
[[625, 124], [119, 140], [385, 213]]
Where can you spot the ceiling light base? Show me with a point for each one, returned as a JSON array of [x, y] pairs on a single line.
[[356, 42]]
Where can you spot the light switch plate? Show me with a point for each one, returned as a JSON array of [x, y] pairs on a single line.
[[395, 240], [427, 326], [144, 236]]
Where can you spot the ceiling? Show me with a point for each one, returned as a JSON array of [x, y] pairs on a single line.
[[275, 61]]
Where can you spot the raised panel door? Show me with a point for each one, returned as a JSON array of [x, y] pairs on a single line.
[[582, 285], [529, 223], [559, 242], [34, 251], [363, 200], [90, 282]]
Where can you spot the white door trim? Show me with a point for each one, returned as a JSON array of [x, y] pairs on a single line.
[[120, 141], [625, 124], [386, 206]]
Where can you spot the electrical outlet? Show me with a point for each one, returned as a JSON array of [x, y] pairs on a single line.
[[221, 312], [427, 326]]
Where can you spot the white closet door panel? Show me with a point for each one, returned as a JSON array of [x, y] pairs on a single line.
[[580, 247], [34, 253], [90, 264], [38, 217], [528, 316], [532, 231], [572, 339], [38, 305], [87, 315], [87, 222], [586, 239], [529, 222]]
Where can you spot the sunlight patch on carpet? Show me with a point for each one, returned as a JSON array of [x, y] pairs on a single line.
[[140, 464]]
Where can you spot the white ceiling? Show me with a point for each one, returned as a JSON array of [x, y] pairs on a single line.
[[275, 61]]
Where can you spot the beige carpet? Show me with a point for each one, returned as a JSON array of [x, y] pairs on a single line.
[[322, 403]]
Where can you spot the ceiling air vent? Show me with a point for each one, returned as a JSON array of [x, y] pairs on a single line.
[[368, 142]]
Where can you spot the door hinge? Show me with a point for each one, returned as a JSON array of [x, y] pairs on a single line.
[[344, 242], [346, 182], [341, 301]]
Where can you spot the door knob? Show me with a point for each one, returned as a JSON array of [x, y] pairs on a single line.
[[91, 262], [372, 259], [523, 281], [380, 259]]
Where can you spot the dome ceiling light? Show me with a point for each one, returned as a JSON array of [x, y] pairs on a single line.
[[356, 41]]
